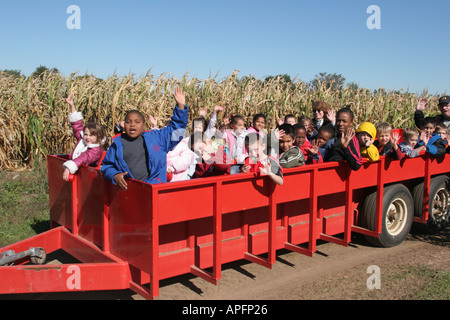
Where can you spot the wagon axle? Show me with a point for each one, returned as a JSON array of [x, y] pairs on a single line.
[[37, 256]]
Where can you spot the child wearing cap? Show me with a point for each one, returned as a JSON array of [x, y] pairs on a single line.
[[366, 134]]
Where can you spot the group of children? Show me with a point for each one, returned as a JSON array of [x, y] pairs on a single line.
[[167, 154]]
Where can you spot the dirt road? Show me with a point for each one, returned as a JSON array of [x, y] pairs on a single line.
[[334, 272]]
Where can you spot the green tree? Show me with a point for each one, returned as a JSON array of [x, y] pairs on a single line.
[[334, 81], [39, 72], [11, 73]]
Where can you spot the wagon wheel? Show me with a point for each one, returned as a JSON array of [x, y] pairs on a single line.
[[41, 259], [439, 205], [398, 213]]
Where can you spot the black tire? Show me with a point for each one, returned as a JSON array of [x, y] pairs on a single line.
[[398, 214], [439, 209]]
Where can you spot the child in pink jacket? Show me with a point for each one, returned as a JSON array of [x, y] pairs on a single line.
[[90, 138]]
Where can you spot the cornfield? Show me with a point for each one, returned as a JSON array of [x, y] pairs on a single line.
[[33, 111]]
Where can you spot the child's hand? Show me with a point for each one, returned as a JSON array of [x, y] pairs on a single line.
[[424, 138], [66, 174], [347, 137], [314, 148], [69, 100], [202, 112], [180, 98], [395, 139], [246, 168], [218, 108], [266, 169], [153, 121], [279, 133], [422, 105], [122, 124], [120, 180]]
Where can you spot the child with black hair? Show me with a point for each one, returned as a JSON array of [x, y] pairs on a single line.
[[290, 156], [346, 146], [258, 124], [320, 145], [142, 155], [433, 142]]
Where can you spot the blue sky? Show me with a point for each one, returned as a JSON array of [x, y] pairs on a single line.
[[258, 37]]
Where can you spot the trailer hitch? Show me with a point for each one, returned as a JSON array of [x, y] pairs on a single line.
[[37, 256]]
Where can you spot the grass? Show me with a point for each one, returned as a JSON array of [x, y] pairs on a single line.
[[24, 204], [421, 282]]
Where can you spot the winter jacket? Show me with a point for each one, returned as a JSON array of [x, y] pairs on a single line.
[[89, 155], [157, 142]]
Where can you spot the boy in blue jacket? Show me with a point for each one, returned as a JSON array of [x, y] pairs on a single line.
[[142, 155]]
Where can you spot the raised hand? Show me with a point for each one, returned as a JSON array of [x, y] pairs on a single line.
[[218, 108], [314, 147], [395, 139], [422, 104], [331, 116], [153, 121], [180, 98], [69, 100], [347, 137], [202, 112]]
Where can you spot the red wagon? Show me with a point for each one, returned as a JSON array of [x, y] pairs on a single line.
[[134, 238]]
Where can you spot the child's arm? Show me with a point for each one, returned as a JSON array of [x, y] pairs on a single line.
[[69, 100], [372, 153], [110, 169], [418, 115], [314, 155], [212, 122], [267, 170], [75, 118], [350, 145]]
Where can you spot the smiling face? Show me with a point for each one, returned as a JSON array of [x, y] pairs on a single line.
[[259, 123], [383, 138], [286, 142], [343, 122], [445, 110], [412, 140], [256, 150], [318, 114], [89, 138], [134, 124]]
